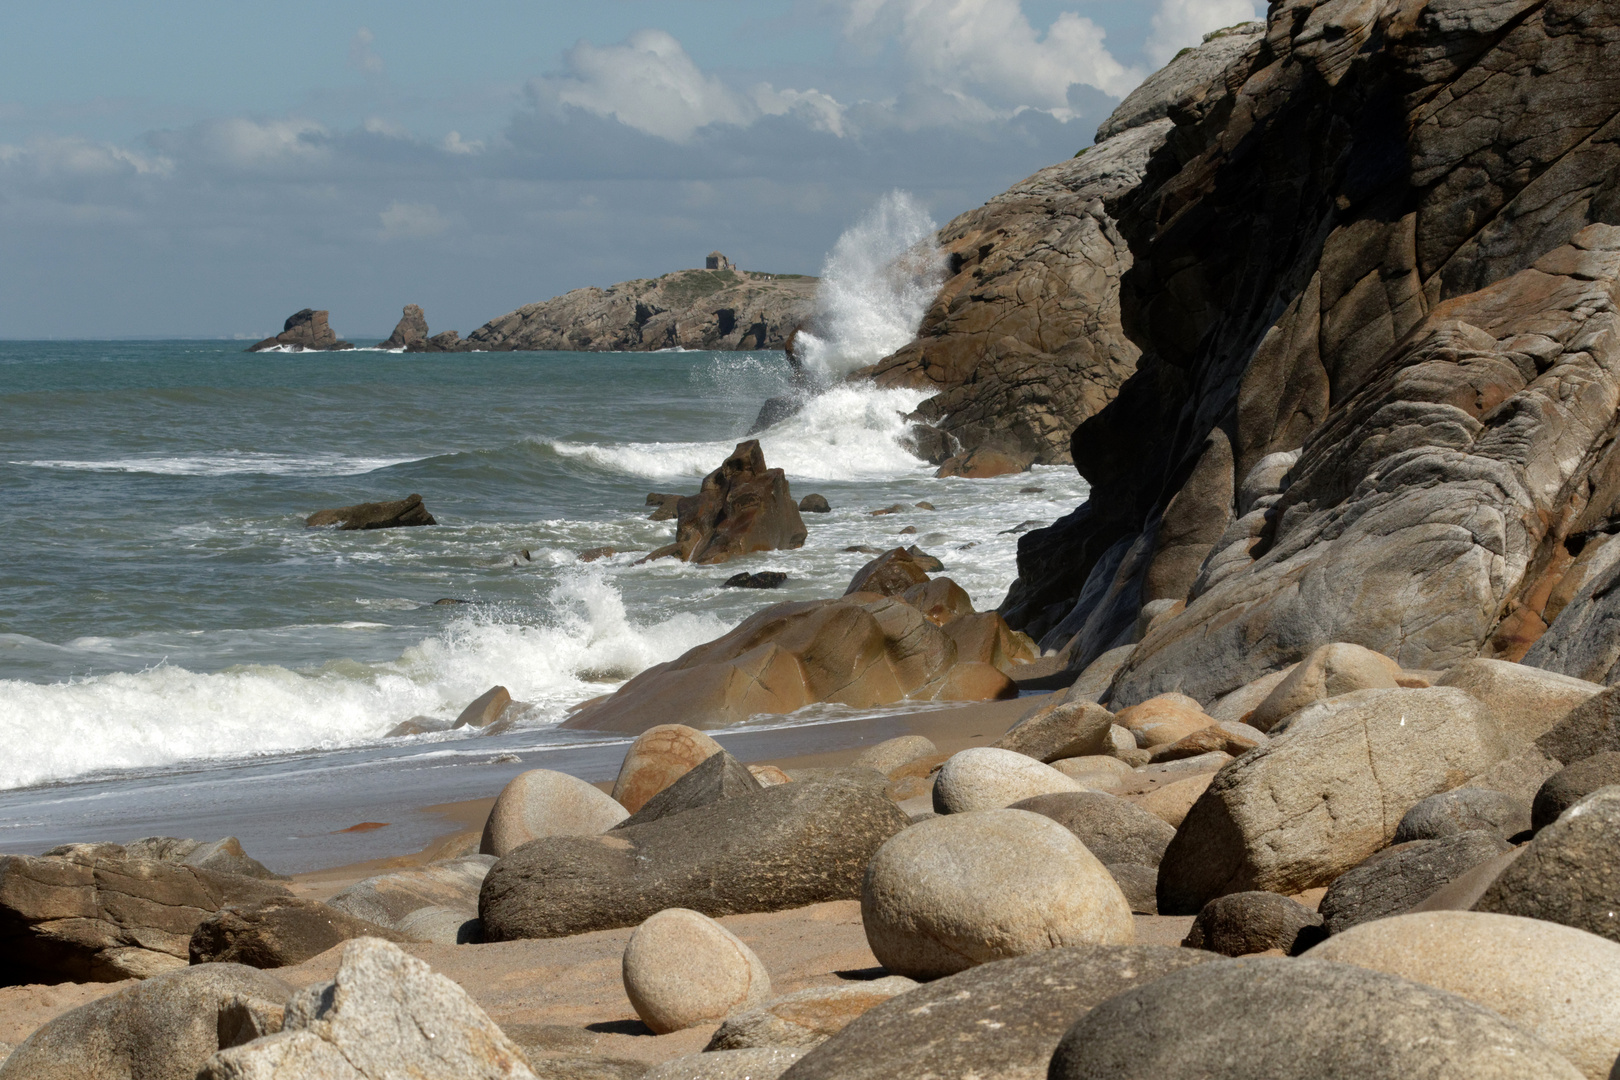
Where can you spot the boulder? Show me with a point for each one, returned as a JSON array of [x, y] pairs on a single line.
[[765, 579], [929, 563], [1329, 671], [971, 680], [1528, 701], [1218, 738], [1173, 802], [967, 889], [98, 916], [783, 847], [769, 775], [719, 776], [1238, 924], [386, 899], [814, 504], [1328, 792], [1571, 784], [306, 329], [890, 574], [1461, 810], [1163, 720], [418, 725], [1264, 1016], [1140, 884], [384, 1015], [411, 330], [164, 1028], [978, 637], [436, 924], [988, 778], [1238, 704], [658, 758], [682, 969], [761, 1063], [742, 507], [891, 755], [860, 650], [278, 932], [805, 1018], [1112, 829], [542, 802], [1402, 876], [485, 709], [982, 463], [1570, 872], [374, 515], [224, 856], [1059, 729], [1592, 727], [1561, 983], [665, 507], [1100, 772], [1001, 1019]]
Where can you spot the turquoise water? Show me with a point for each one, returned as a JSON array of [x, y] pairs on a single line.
[[162, 605]]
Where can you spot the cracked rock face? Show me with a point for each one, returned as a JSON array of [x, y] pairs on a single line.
[[1388, 244], [385, 1015], [95, 916]]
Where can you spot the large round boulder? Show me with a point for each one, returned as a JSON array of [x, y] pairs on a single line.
[[1569, 785], [660, 756], [541, 802], [1162, 720], [997, 1020], [1331, 670], [1060, 729], [960, 890], [988, 778], [1461, 810], [891, 755], [1298, 1019], [1238, 924], [1561, 983], [1401, 876], [1112, 829], [682, 969]]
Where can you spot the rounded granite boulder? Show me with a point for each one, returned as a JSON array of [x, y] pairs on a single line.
[[1569, 785], [1298, 1019], [965, 889], [542, 802], [988, 778], [1560, 982], [1112, 829], [1238, 924], [1462, 810], [682, 969], [660, 756]]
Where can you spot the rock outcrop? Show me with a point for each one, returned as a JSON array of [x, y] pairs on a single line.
[[397, 514], [1382, 239], [95, 915], [742, 507], [305, 331], [688, 309]]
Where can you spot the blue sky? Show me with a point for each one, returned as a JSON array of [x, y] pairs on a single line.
[[208, 167]]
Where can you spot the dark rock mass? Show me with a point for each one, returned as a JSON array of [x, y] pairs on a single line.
[[1344, 310], [305, 330], [377, 515], [742, 507]]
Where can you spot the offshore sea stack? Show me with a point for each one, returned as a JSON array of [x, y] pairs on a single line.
[[304, 331], [411, 334], [1372, 274], [717, 308]]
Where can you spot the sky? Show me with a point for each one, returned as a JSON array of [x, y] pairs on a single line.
[[203, 168]]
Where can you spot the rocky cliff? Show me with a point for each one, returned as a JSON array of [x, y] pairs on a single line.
[[689, 309], [304, 330], [1370, 267]]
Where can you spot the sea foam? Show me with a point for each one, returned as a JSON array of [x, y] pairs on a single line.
[[167, 714]]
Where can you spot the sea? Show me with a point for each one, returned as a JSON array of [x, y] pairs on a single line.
[[179, 654]]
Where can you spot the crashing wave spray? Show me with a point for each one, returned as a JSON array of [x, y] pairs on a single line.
[[875, 288]]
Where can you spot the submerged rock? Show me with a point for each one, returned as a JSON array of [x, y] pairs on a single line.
[[378, 515]]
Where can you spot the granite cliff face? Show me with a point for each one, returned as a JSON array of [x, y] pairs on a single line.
[[1024, 340], [1371, 269], [689, 309]]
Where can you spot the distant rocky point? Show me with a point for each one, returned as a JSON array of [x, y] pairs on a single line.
[[719, 307], [411, 334], [305, 330]]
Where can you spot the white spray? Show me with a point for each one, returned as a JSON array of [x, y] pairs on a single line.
[[875, 288]]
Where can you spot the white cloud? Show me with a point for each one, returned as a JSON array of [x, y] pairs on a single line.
[[1180, 23], [361, 56], [820, 111], [411, 221], [70, 156], [249, 144], [990, 47], [649, 83], [453, 143]]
